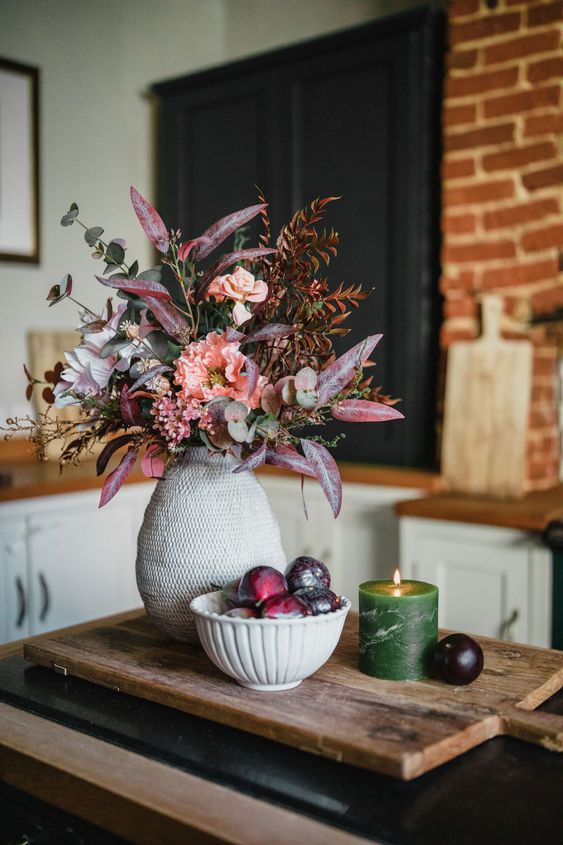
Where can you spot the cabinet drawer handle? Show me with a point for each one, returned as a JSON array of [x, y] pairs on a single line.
[[22, 609], [506, 632], [46, 597]]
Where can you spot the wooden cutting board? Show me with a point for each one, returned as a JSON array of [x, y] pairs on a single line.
[[488, 388], [398, 728]]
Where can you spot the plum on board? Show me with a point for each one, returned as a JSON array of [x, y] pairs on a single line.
[[260, 584]]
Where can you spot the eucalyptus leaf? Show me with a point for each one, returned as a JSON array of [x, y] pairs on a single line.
[[159, 344], [115, 253], [133, 270], [113, 346], [152, 275], [71, 215], [92, 235]]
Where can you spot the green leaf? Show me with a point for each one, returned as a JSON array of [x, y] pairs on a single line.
[[71, 215], [91, 236], [115, 254], [152, 275], [173, 353], [133, 270], [54, 293], [113, 346], [159, 343]]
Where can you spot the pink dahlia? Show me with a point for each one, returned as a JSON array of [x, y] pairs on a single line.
[[212, 367]]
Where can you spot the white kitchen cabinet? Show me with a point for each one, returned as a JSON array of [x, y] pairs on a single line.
[[65, 561], [362, 544], [495, 582], [14, 616]]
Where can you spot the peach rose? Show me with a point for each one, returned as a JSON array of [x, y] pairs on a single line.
[[212, 367], [241, 287]]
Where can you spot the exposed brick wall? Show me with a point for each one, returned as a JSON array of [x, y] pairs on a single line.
[[502, 172]]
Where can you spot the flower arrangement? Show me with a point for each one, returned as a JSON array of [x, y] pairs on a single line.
[[235, 355]]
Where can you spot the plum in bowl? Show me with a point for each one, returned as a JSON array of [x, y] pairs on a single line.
[[269, 655]]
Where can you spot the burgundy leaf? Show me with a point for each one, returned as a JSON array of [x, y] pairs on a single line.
[[130, 409], [151, 221], [117, 478], [154, 371], [253, 374], [326, 472], [234, 335], [285, 457], [139, 287], [271, 332], [169, 318], [220, 231], [220, 436], [108, 450], [338, 374], [226, 261], [362, 410], [256, 459], [29, 391], [28, 375], [152, 464], [187, 247], [48, 395]]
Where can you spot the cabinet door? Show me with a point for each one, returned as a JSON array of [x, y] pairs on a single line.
[[482, 574], [14, 600], [300, 534], [77, 556]]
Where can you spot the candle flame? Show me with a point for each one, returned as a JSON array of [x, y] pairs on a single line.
[[397, 578]]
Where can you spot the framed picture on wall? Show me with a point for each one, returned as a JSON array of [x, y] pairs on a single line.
[[19, 162]]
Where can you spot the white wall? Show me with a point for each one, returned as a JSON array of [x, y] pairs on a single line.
[[97, 58]]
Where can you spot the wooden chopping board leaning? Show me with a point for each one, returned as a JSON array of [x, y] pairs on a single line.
[[487, 403]]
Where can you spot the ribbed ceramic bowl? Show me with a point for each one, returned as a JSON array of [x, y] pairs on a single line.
[[266, 654]]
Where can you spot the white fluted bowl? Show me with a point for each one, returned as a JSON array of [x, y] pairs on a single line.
[[266, 654]]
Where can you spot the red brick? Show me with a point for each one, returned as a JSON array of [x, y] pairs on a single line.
[[491, 136], [462, 59], [485, 27], [478, 251], [543, 367], [519, 156], [539, 419], [458, 168], [542, 470], [543, 238], [544, 124], [514, 215], [543, 178], [454, 115], [546, 69], [545, 14], [548, 300], [524, 45], [462, 8], [458, 224], [466, 86], [480, 193], [466, 307], [449, 336], [544, 392], [465, 280], [519, 274], [522, 101]]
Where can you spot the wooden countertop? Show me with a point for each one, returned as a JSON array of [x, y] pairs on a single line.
[[531, 513], [27, 478]]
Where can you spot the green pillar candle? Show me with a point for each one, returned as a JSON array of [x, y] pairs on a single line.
[[398, 629]]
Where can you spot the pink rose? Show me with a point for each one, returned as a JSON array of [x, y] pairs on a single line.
[[241, 287], [212, 367]]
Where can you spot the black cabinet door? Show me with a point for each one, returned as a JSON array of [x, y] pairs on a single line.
[[354, 115]]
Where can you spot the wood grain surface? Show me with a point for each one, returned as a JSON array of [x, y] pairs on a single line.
[[488, 389], [143, 800], [401, 729]]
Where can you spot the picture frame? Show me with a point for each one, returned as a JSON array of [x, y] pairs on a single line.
[[19, 162]]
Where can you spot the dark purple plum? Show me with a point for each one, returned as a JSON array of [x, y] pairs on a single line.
[[458, 659], [230, 592], [304, 572], [318, 600], [260, 584], [241, 613], [284, 607]]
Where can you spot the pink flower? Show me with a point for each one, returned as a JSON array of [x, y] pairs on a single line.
[[173, 416], [212, 367], [241, 287]]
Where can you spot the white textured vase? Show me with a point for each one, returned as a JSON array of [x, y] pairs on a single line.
[[204, 526]]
